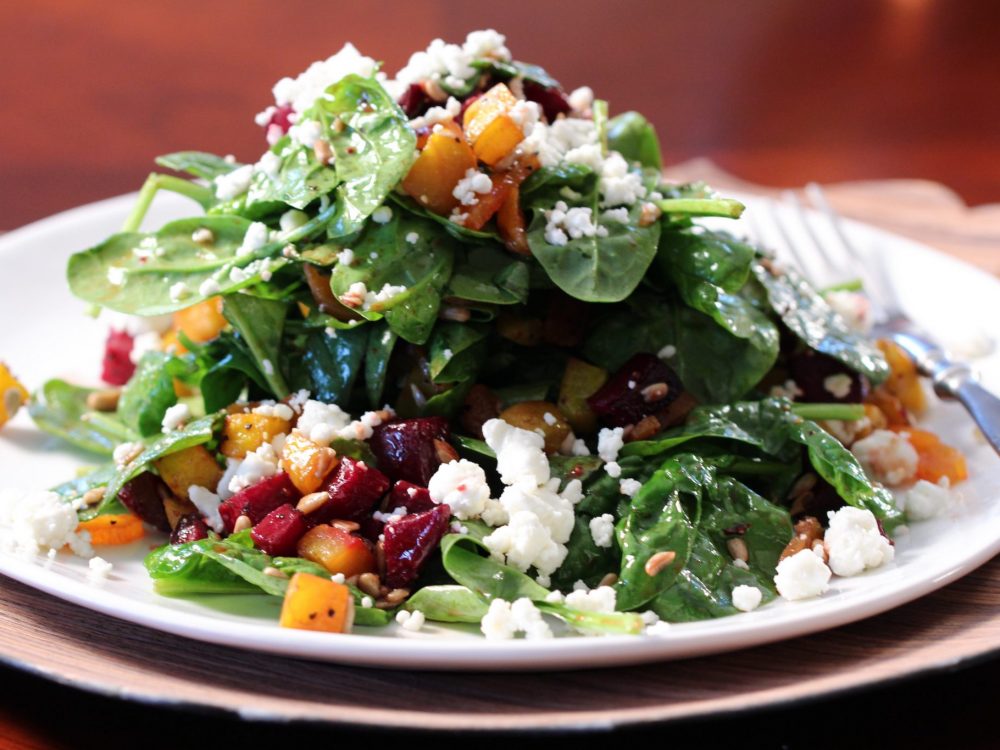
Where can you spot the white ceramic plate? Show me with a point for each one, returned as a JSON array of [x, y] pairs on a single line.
[[45, 333]]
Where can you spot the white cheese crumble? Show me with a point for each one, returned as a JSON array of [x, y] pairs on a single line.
[[179, 291], [382, 215], [233, 184], [600, 599], [209, 288], [292, 220], [450, 64], [207, 503], [667, 352], [564, 223], [925, 500], [854, 543], [853, 307], [322, 422], [437, 115], [301, 92], [609, 442], [838, 386], [629, 487], [36, 521], [259, 465], [461, 485], [272, 409], [802, 576], [306, 133], [504, 620], [580, 447], [126, 452], [616, 214], [411, 621], [471, 186], [789, 389], [618, 184], [581, 99], [746, 598], [887, 457], [412, 238], [602, 530], [175, 417], [99, 568], [116, 275], [345, 257], [255, 238], [269, 165]]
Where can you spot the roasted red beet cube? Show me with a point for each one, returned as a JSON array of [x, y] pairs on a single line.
[[552, 100], [409, 541], [118, 365], [823, 379], [407, 495], [414, 101], [280, 531], [643, 386], [144, 497], [355, 488], [257, 500], [189, 528], [405, 449]]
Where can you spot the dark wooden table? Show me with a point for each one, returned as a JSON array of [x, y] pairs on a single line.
[[776, 91]]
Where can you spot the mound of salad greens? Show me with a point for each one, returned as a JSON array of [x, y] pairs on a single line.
[[348, 276]]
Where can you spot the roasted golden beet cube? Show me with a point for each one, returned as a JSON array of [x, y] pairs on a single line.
[[307, 463], [443, 162], [187, 468], [245, 433], [337, 550], [314, 603], [13, 395], [490, 127]]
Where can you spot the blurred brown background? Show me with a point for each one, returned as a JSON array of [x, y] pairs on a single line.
[[776, 91]]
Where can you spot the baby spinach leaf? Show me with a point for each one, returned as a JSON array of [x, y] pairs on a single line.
[[457, 351], [463, 234], [260, 323], [179, 570], [811, 318], [148, 394], [716, 258], [448, 603], [634, 137], [229, 366], [506, 70], [330, 365], [300, 178], [381, 342], [150, 267], [488, 274], [383, 258], [197, 163], [60, 409]]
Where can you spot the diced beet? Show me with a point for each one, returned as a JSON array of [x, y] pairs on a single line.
[[189, 528], [257, 500], [552, 100], [636, 391], [354, 489], [409, 541], [118, 366], [405, 449], [414, 101], [144, 497], [281, 117], [410, 496], [280, 531], [810, 369]]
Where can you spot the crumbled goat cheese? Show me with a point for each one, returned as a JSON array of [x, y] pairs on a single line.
[[618, 184], [667, 352], [255, 238], [602, 530], [789, 389], [207, 503], [269, 165], [613, 469], [741, 564], [853, 307], [564, 223], [387, 517], [471, 186], [272, 409], [581, 99], [411, 621], [126, 452], [615, 214], [257, 466], [35, 521], [306, 133], [520, 453], [345, 257], [462, 485], [301, 92], [175, 416], [364, 427], [412, 238], [609, 442], [116, 275], [746, 598], [203, 235], [321, 422], [450, 64], [366, 601], [580, 447], [233, 184], [854, 543], [382, 215], [209, 288], [802, 576], [839, 385], [504, 620], [660, 628], [437, 115], [629, 487], [925, 500], [292, 220], [569, 139], [338, 578], [887, 457], [600, 599], [99, 568]]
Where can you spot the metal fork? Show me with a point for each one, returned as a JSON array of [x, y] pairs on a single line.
[[816, 258]]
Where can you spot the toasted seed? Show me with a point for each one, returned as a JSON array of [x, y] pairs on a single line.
[[395, 596], [104, 400], [738, 549], [312, 502], [370, 584], [609, 579], [242, 524], [654, 392], [348, 526], [645, 428], [384, 604], [323, 152], [274, 572], [659, 561], [650, 213], [802, 485], [93, 496], [203, 236], [337, 126], [445, 452], [454, 312]]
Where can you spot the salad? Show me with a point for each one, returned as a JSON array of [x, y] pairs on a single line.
[[452, 350]]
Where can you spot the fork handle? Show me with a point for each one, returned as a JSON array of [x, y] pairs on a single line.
[[955, 380]]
